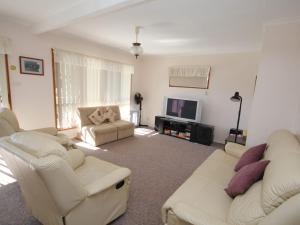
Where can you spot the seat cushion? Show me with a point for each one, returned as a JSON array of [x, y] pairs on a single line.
[[93, 169], [247, 208], [218, 166], [99, 134], [122, 124], [204, 190], [102, 128]]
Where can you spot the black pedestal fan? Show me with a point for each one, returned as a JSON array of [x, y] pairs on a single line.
[[138, 100]]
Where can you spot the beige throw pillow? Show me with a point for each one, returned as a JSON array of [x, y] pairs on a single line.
[[110, 114], [102, 115], [97, 117]]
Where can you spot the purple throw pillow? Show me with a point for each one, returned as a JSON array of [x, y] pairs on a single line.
[[252, 155], [247, 176]]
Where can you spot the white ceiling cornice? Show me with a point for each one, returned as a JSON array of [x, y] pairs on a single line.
[[83, 10], [171, 27]]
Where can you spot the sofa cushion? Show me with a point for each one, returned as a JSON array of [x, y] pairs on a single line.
[[204, 190], [102, 128], [61, 182], [247, 208], [246, 177], [93, 169], [195, 216], [37, 145], [10, 117], [281, 142], [48, 130], [216, 162], [122, 124], [252, 155], [5, 128], [59, 138], [281, 180], [76, 158]]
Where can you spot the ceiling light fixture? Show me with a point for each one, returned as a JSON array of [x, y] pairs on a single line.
[[136, 48]]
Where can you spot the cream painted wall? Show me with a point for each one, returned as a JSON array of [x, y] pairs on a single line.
[[276, 103], [230, 72], [32, 96]]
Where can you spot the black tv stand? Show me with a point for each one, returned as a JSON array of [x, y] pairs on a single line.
[[191, 131]]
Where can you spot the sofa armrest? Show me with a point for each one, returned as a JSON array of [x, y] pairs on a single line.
[[107, 181], [47, 130], [195, 216], [235, 149]]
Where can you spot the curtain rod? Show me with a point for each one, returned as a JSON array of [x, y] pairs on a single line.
[[101, 58]]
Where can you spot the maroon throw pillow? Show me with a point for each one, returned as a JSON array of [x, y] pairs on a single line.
[[245, 177], [252, 155]]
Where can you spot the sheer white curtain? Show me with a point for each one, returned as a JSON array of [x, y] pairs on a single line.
[[5, 48], [87, 81], [3, 84]]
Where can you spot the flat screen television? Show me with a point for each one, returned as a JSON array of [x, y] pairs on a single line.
[[184, 109]]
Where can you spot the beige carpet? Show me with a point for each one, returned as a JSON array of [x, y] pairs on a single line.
[[159, 164]]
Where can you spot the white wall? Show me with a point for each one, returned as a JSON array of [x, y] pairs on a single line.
[[32, 96], [276, 103], [230, 72]]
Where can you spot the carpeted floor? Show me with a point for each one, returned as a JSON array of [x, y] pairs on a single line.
[[159, 165]]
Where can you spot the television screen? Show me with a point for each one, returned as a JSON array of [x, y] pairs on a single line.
[[186, 109]]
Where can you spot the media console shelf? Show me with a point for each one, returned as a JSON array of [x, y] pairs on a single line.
[[191, 131]]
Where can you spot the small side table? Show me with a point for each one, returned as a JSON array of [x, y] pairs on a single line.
[[240, 139]]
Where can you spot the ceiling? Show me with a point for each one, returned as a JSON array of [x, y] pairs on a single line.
[[169, 26]]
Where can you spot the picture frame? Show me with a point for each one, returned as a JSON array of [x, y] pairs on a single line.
[[31, 66]]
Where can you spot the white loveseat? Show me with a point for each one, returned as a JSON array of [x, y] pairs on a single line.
[[65, 188], [275, 200]]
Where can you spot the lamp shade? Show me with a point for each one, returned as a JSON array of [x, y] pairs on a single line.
[[136, 49], [236, 97]]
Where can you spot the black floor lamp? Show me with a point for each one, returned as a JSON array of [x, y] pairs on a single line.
[[237, 98]]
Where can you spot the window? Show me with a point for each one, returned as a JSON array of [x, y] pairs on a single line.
[[4, 100], [87, 81]]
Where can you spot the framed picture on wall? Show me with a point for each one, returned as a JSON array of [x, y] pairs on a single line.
[[31, 66]]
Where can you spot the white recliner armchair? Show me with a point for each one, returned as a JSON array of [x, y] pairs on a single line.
[[63, 187]]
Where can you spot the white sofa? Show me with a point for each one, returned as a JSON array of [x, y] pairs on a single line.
[[65, 187], [275, 200]]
